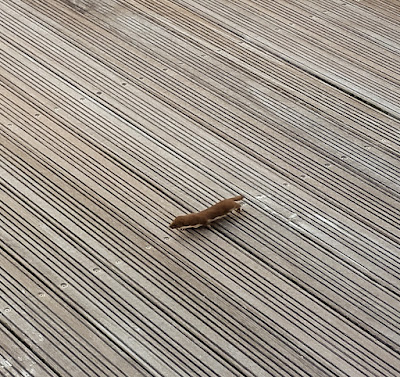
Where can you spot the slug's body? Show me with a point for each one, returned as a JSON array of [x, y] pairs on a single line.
[[215, 212]]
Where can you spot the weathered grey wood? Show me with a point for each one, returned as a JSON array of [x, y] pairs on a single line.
[[289, 33], [259, 147], [37, 168], [16, 359], [105, 136], [51, 330]]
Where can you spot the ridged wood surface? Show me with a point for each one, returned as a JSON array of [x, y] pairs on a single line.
[[116, 116]]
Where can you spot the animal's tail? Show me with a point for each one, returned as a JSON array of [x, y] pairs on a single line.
[[236, 198]]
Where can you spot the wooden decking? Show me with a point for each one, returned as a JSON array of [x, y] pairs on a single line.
[[116, 116]]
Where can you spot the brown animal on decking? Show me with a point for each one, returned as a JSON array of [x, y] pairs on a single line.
[[215, 212]]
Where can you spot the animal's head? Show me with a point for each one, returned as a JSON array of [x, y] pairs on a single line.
[[178, 222]]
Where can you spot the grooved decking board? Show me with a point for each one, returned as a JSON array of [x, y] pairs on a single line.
[[315, 42], [116, 116], [16, 359], [52, 331], [291, 161]]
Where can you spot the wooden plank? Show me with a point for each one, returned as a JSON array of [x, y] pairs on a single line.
[[162, 45], [299, 285], [188, 156], [368, 18], [63, 341], [347, 182], [290, 41], [295, 162], [132, 214], [16, 359], [172, 305], [109, 284]]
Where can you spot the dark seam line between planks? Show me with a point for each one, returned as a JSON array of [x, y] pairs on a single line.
[[331, 83], [94, 57], [107, 31]]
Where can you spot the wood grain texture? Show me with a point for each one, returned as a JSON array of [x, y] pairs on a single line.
[[117, 116]]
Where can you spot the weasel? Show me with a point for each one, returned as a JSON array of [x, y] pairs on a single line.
[[215, 212]]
